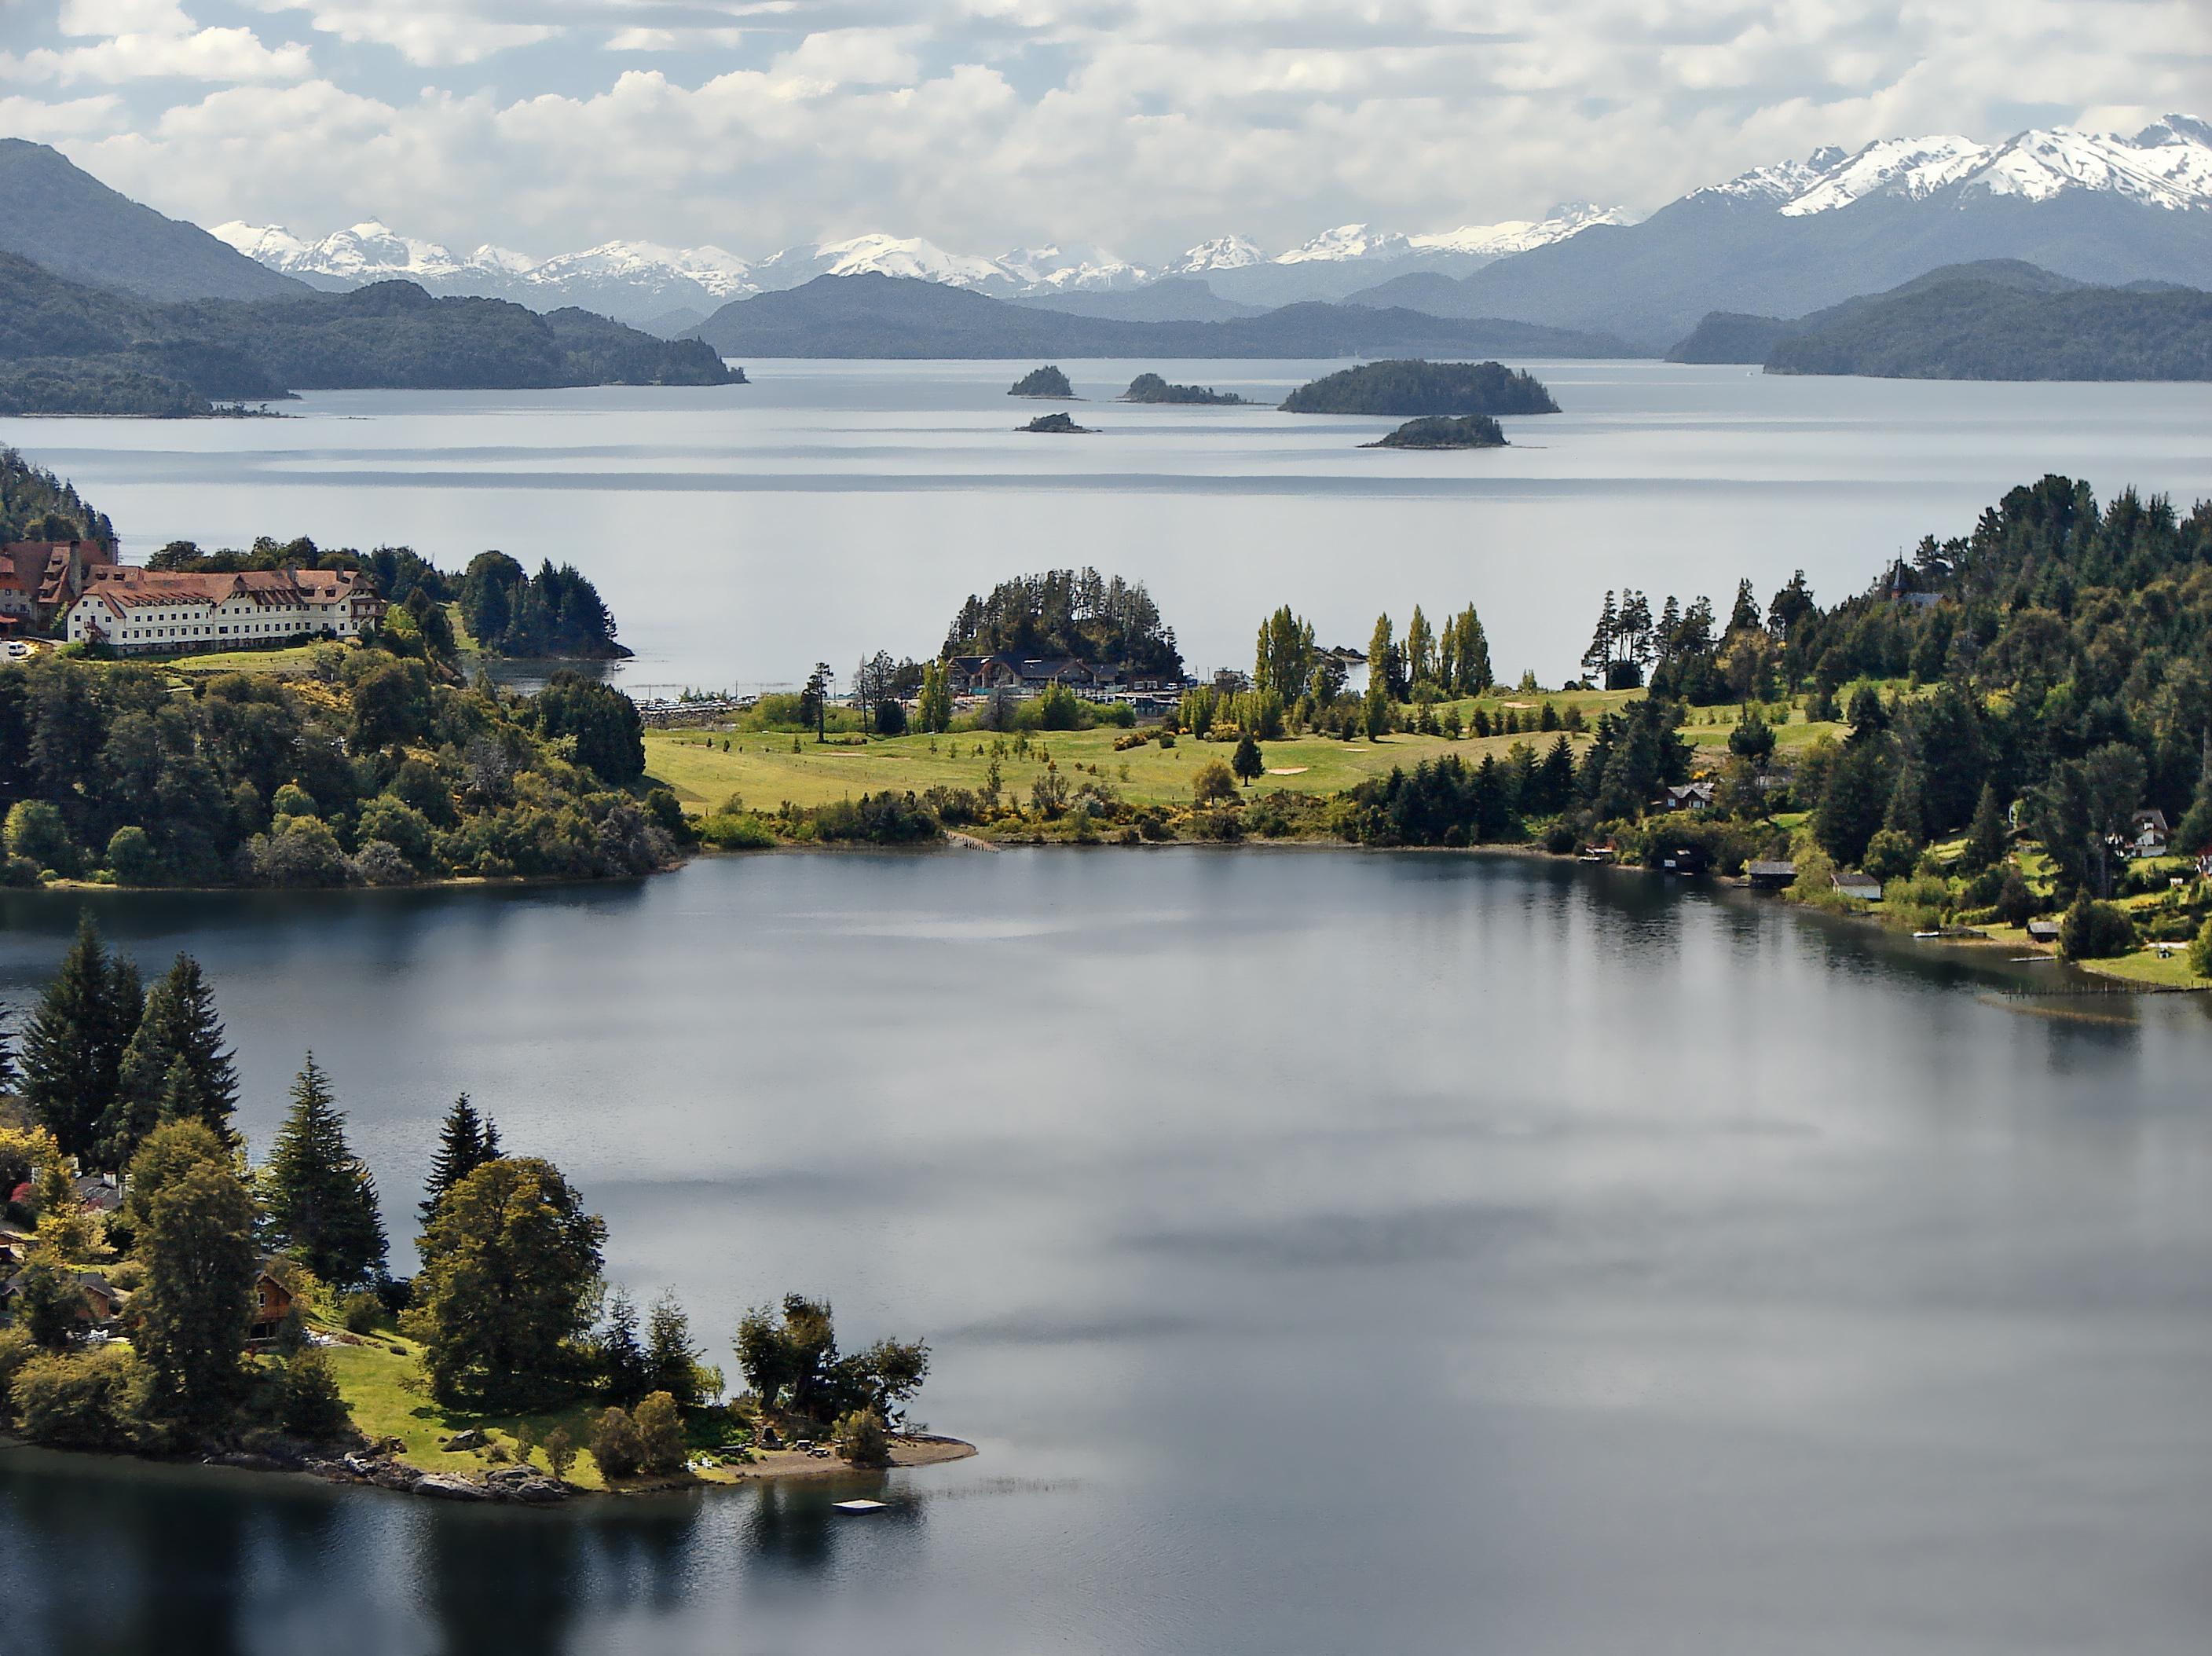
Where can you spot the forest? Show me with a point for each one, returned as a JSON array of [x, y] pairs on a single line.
[[36, 505], [377, 768]]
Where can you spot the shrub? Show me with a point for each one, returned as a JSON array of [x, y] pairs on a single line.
[[2094, 931], [2200, 952], [1214, 781], [1890, 855], [131, 855], [91, 1402], [560, 1452], [16, 1350], [358, 1311], [379, 862], [728, 831], [35, 831], [311, 1406], [660, 1427], [861, 1439], [616, 1445]]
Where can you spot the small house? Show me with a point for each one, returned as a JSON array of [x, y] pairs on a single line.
[[272, 1303], [1687, 859], [98, 1193], [2043, 931], [1771, 876], [1687, 796], [2149, 834], [1865, 887], [101, 1297]]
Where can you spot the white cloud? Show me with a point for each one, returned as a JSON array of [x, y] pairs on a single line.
[[44, 119], [1139, 123], [230, 55]]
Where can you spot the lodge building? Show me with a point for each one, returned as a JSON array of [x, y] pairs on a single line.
[[135, 611]]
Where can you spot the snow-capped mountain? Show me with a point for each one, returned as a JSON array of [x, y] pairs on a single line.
[[2168, 164], [1223, 252]]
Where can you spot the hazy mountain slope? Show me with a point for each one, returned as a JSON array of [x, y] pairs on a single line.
[[68, 222], [1176, 299], [880, 316]]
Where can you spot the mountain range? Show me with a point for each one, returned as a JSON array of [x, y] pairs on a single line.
[[674, 289], [1786, 240]]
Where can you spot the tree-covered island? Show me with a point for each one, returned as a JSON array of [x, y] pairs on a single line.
[[1057, 425], [1152, 388], [164, 1293], [1046, 381], [1442, 431], [1416, 387]]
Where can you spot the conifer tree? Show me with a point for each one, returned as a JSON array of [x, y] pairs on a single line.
[[622, 1359], [1986, 839], [1245, 762], [671, 1362], [73, 1047], [1906, 813], [176, 1066], [465, 1142], [320, 1199], [2193, 837]]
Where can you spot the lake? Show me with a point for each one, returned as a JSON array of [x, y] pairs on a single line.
[[1330, 1252], [831, 510]]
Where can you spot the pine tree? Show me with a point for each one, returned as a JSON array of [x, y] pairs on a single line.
[[73, 1047], [671, 1362], [2193, 838], [622, 1359], [175, 1066], [1245, 762], [465, 1142], [1907, 814], [320, 1199], [1986, 840]]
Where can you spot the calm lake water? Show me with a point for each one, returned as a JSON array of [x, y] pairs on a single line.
[[1330, 1252], [830, 509]]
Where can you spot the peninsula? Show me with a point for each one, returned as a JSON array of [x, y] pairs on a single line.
[[162, 1300]]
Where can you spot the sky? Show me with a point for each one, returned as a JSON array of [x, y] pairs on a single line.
[[1134, 126]]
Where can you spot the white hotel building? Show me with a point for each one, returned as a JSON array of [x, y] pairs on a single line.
[[135, 611]]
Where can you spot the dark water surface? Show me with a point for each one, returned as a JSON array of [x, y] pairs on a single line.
[[831, 510], [1330, 1252]]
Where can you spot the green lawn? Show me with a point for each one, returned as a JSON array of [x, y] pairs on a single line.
[[763, 770], [2144, 966]]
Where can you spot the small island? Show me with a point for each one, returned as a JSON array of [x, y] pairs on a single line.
[[1057, 422], [1415, 387], [1046, 381], [1439, 431], [1152, 388]]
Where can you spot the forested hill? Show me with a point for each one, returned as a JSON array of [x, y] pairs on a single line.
[[1075, 613], [36, 505], [1995, 320], [896, 317], [69, 348]]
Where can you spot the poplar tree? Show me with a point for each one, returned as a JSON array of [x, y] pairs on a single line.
[[1421, 648], [176, 1066], [1379, 651], [321, 1198], [1471, 671], [73, 1047], [465, 1142]]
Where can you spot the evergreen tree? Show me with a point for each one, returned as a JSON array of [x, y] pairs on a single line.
[[1245, 762], [1851, 808], [2193, 837], [465, 1142], [176, 1064], [621, 1359], [671, 1362], [1907, 814], [73, 1048], [321, 1198], [189, 1320], [1986, 840]]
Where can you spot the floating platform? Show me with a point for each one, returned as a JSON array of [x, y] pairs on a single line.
[[859, 1506]]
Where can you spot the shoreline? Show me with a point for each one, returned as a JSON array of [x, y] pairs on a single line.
[[525, 1487]]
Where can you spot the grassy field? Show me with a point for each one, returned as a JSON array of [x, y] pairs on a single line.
[[765, 770]]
